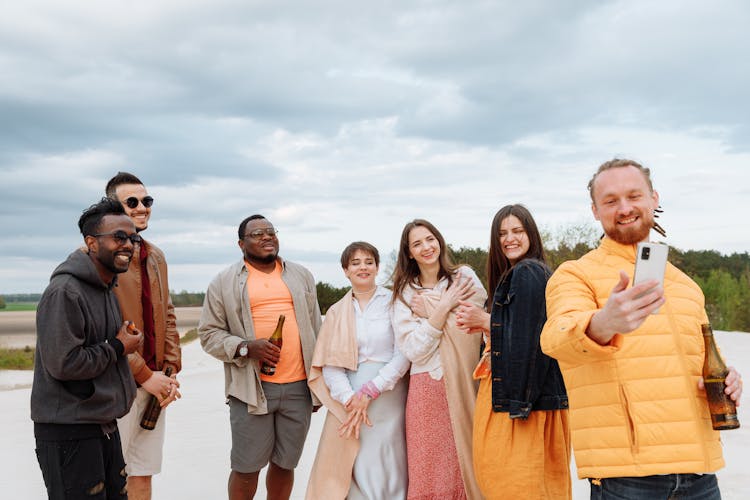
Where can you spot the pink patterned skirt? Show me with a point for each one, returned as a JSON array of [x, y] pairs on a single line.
[[434, 473]]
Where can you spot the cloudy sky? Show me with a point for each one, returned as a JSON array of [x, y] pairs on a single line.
[[342, 120]]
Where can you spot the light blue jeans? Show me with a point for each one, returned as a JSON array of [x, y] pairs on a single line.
[[664, 487]]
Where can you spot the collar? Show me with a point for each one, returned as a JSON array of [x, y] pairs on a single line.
[[627, 252]]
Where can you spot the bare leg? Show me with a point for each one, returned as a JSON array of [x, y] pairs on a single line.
[[139, 487], [242, 486], [279, 482]]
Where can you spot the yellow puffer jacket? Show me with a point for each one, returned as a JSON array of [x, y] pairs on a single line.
[[635, 406]]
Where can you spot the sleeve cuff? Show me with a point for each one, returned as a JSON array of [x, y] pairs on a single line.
[[118, 347]]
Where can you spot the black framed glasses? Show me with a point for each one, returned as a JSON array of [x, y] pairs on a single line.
[[259, 233], [132, 202], [121, 237]]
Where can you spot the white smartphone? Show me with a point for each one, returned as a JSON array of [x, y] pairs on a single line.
[[650, 263]]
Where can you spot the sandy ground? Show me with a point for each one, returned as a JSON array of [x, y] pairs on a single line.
[[196, 455], [18, 328]]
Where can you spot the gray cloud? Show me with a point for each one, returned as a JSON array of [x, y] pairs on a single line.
[[344, 121]]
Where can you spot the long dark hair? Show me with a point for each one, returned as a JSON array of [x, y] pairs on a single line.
[[406, 271], [498, 264]]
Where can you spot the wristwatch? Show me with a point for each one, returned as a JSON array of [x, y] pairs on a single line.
[[243, 350]]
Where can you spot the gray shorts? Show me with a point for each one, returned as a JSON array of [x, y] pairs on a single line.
[[278, 436]]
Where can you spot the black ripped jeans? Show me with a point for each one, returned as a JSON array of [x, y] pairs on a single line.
[[77, 469]]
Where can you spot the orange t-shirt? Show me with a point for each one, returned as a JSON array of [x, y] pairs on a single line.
[[269, 297]]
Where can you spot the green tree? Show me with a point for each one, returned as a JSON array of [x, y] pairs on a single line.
[[569, 242], [187, 299], [2, 302], [328, 295], [475, 258]]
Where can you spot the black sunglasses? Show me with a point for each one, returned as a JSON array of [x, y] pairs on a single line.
[[121, 237], [132, 202]]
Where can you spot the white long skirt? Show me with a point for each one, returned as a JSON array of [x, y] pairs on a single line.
[[380, 468]]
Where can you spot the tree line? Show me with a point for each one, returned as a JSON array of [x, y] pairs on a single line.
[[724, 279]]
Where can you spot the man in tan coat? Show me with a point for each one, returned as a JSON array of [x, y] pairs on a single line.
[[143, 293]]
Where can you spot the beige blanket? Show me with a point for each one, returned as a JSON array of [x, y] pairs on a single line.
[[331, 473], [459, 353]]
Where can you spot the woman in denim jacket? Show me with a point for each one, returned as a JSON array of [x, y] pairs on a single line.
[[521, 440]]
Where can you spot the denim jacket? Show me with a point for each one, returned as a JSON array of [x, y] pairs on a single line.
[[523, 378]]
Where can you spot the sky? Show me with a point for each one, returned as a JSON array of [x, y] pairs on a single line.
[[341, 121]]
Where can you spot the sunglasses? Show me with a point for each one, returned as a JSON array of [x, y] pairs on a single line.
[[258, 233], [132, 202], [121, 237]]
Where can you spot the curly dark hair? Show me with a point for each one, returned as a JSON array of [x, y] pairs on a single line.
[[92, 217]]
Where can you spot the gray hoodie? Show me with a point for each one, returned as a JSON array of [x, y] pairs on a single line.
[[79, 375]]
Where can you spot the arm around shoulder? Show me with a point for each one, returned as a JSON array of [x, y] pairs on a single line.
[[416, 338]]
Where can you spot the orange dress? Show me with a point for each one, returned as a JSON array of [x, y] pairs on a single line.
[[516, 458]]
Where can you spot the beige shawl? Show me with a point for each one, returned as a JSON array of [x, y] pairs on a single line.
[[331, 473], [459, 352]]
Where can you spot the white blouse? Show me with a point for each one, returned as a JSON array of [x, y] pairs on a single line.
[[376, 342], [416, 337]]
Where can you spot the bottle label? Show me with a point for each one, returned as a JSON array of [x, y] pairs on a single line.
[[722, 408]]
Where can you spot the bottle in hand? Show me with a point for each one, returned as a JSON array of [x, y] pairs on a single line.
[[721, 406], [153, 410], [276, 340]]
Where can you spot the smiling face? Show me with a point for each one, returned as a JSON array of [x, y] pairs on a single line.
[[140, 214], [262, 248], [514, 241], [362, 271], [624, 204], [110, 256], [424, 247]]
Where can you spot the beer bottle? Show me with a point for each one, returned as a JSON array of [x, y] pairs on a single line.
[[151, 415], [721, 406], [276, 340]]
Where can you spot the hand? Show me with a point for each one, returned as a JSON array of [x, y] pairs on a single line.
[[417, 306], [460, 289], [264, 351], [357, 408], [163, 387], [130, 336], [624, 310], [733, 384], [471, 318]]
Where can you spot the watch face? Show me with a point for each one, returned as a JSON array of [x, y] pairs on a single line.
[[243, 351]]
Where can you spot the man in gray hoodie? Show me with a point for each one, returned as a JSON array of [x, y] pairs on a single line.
[[82, 382]]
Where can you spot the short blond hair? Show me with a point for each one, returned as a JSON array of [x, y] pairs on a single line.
[[619, 163]]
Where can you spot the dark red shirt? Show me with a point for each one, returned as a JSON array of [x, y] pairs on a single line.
[[149, 339]]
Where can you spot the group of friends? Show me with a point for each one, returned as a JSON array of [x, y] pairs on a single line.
[[433, 388]]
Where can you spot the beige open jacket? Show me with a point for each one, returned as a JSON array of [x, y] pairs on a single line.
[[226, 321]]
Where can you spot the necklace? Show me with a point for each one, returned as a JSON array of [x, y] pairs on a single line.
[[365, 292]]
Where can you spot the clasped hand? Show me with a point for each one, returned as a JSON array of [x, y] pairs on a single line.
[[163, 387], [357, 407]]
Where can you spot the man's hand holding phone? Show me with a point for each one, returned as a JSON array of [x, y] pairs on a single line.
[[626, 309]]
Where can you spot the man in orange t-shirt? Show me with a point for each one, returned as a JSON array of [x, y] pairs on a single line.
[[269, 414]]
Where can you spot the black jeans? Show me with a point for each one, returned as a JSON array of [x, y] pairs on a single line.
[[83, 468]]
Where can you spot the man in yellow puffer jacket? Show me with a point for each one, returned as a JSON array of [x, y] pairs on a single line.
[[639, 419]]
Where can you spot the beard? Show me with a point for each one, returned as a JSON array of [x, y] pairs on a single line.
[[631, 235], [109, 263], [263, 259]]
